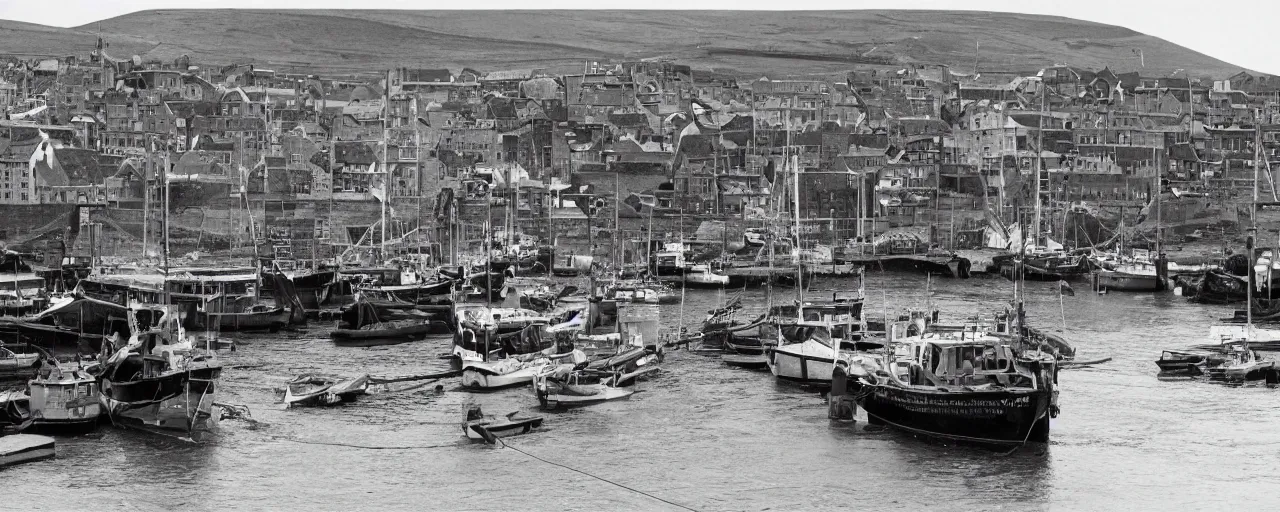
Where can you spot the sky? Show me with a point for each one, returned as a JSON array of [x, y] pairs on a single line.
[[1236, 32]]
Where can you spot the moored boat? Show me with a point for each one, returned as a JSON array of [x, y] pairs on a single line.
[[479, 427], [1176, 362], [159, 381], [971, 387], [64, 399], [320, 389]]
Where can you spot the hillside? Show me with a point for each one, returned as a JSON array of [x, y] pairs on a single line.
[[751, 43]]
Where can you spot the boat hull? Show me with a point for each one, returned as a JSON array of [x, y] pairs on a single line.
[[272, 320], [377, 337], [1121, 281], [480, 379], [800, 368], [998, 417], [553, 396], [501, 428], [179, 404]]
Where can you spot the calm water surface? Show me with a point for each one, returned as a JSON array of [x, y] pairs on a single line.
[[702, 434]]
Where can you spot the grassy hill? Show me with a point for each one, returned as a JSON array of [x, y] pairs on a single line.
[[751, 43]]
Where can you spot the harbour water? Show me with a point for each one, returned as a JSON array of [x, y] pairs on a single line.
[[700, 434]]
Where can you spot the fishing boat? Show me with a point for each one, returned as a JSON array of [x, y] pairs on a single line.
[[319, 389], [391, 332], [258, 317], [973, 387], [1177, 362], [479, 427], [484, 333], [602, 380], [1135, 273], [1043, 264], [376, 322], [806, 355], [640, 292], [64, 398], [20, 448], [700, 275], [160, 381], [513, 371], [1240, 364]]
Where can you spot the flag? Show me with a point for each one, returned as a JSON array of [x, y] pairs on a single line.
[[1064, 288]]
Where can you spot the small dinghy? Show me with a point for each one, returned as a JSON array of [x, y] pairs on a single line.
[[316, 389], [479, 427], [19, 448], [753, 362]]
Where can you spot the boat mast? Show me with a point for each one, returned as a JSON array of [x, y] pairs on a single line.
[[1044, 97], [794, 162], [386, 170], [165, 173]]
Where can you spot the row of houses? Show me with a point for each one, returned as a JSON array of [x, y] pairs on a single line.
[[330, 151]]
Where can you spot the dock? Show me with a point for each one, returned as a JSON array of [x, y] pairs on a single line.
[[20, 448]]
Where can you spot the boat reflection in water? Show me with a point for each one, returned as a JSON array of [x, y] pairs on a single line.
[[159, 381]]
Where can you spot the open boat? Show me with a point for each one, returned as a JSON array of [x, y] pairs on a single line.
[[1176, 362], [479, 427], [318, 389]]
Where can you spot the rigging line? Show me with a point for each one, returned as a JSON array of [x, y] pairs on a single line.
[[605, 480]]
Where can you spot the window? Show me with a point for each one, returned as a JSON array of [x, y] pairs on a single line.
[[295, 158]]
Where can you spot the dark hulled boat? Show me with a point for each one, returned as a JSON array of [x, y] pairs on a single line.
[[965, 386], [159, 381]]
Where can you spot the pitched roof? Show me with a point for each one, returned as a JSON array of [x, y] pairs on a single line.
[[628, 119], [354, 153]]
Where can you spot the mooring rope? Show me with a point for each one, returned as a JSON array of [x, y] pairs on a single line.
[[602, 479], [365, 447]]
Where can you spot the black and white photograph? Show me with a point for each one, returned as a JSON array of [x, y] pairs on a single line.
[[395, 255]]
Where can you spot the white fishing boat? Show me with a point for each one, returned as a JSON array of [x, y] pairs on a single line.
[[808, 358], [700, 275], [514, 371], [481, 375]]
